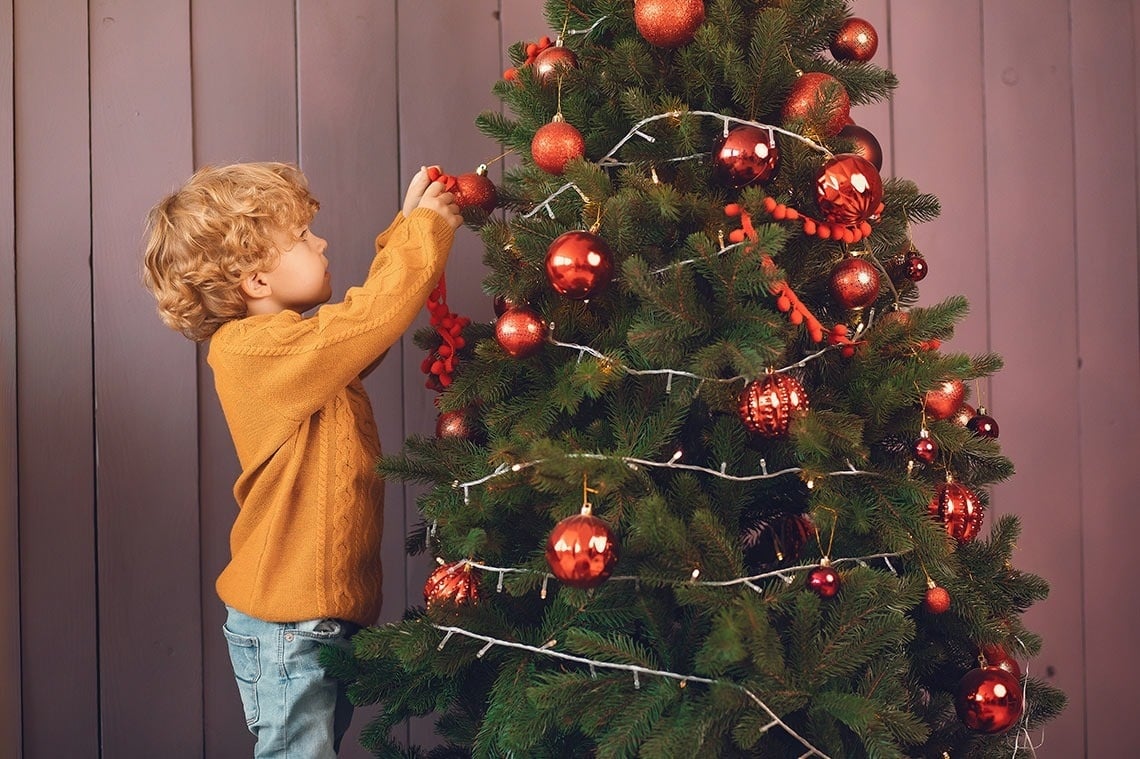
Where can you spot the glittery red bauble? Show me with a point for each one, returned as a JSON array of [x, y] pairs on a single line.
[[937, 600], [997, 656], [820, 100], [520, 331], [963, 415], [824, 580], [552, 61], [452, 584], [475, 190], [579, 264], [581, 551], [746, 155], [768, 404], [854, 282], [864, 144], [958, 509], [983, 425], [555, 145], [668, 23], [989, 700], [944, 400], [856, 40], [454, 425], [925, 450], [848, 189]]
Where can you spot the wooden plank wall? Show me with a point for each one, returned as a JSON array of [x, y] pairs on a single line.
[[116, 468]]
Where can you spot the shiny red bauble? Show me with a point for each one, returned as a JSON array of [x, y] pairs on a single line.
[[856, 41], [959, 510], [854, 282], [944, 401], [848, 189], [963, 415], [820, 100], [520, 331], [668, 23], [768, 404], [581, 551], [579, 264], [989, 700], [864, 143], [915, 267], [824, 581], [925, 449], [552, 62], [556, 144], [475, 190], [745, 156], [982, 424], [453, 584]]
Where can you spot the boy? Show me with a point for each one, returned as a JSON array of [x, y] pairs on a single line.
[[230, 257]]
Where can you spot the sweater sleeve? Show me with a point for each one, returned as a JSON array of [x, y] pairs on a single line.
[[293, 365]]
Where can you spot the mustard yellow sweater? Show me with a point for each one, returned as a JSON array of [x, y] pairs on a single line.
[[306, 540]]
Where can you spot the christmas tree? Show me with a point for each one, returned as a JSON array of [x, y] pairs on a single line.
[[710, 484]]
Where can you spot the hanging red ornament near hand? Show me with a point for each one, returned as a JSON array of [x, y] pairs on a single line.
[[556, 144], [553, 62], [768, 404], [579, 264], [958, 509], [854, 282], [520, 332], [475, 190], [453, 584], [943, 401], [989, 700], [823, 580], [668, 23], [856, 41], [581, 550], [821, 101], [849, 189], [864, 144], [745, 156]]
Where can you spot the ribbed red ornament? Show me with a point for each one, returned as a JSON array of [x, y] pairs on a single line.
[[668, 23], [820, 100], [768, 404], [453, 583], [958, 509], [555, 145], [582, 551], [848, 189]]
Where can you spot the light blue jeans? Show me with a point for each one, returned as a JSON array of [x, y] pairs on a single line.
[[291, 706]]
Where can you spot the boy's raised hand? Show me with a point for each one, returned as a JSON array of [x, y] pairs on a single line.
[[425, 193]]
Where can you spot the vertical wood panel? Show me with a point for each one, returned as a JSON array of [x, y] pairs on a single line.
[[53, 331], [1030, 186], [1104, 107], [149, 601], [245, 109], [9, 509]]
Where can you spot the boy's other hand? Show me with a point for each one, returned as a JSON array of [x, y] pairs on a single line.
[[441, 201]]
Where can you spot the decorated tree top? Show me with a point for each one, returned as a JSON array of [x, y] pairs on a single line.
[[709, 485]]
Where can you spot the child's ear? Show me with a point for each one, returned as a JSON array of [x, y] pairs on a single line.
[[256, 286]]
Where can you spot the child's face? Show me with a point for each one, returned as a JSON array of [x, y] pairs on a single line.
[[300, 280]]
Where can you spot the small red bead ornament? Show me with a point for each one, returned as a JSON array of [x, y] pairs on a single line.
[[849, 189], [746, 155], [768, 404], [958, 509], [937, 600], [823, 580], [556, 144], [520, 332], [943, 401], [668, 23], [820, 100], [989, 700], [453, 584], [579, 264], [854, 282], [553, 62], [856, 41], [581, 550]]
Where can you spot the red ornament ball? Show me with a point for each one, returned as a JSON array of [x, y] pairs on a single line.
[[454, 584], [848, 189], [552, 62], [983, 425], [520, 332], [745, 156], [582, 551], [579, 264], [963, 415], [766, 540], [925, 449], [937, 600], [944, 400], [556, 144], [503, 304], [856, 41], [864, 144], [915, 266], [668, 23], [997, 656], [958, 509], [854, 282], [824, 581], [821, 101], [767, 405], [454, 425], [989, 700], [475, 190]]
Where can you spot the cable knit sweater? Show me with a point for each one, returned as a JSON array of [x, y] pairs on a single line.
[[306, 540]]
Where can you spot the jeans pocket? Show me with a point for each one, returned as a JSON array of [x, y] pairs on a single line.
[[303, 646], [246, 660]]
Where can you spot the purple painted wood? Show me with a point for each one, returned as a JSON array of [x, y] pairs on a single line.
[[1108, 401], [10, 691], [54, 395], [245, 109], [150, 641]]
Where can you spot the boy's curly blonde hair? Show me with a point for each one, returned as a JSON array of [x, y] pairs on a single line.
[[206, 237]]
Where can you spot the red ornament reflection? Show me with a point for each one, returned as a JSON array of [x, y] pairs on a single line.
[[581, 551]]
